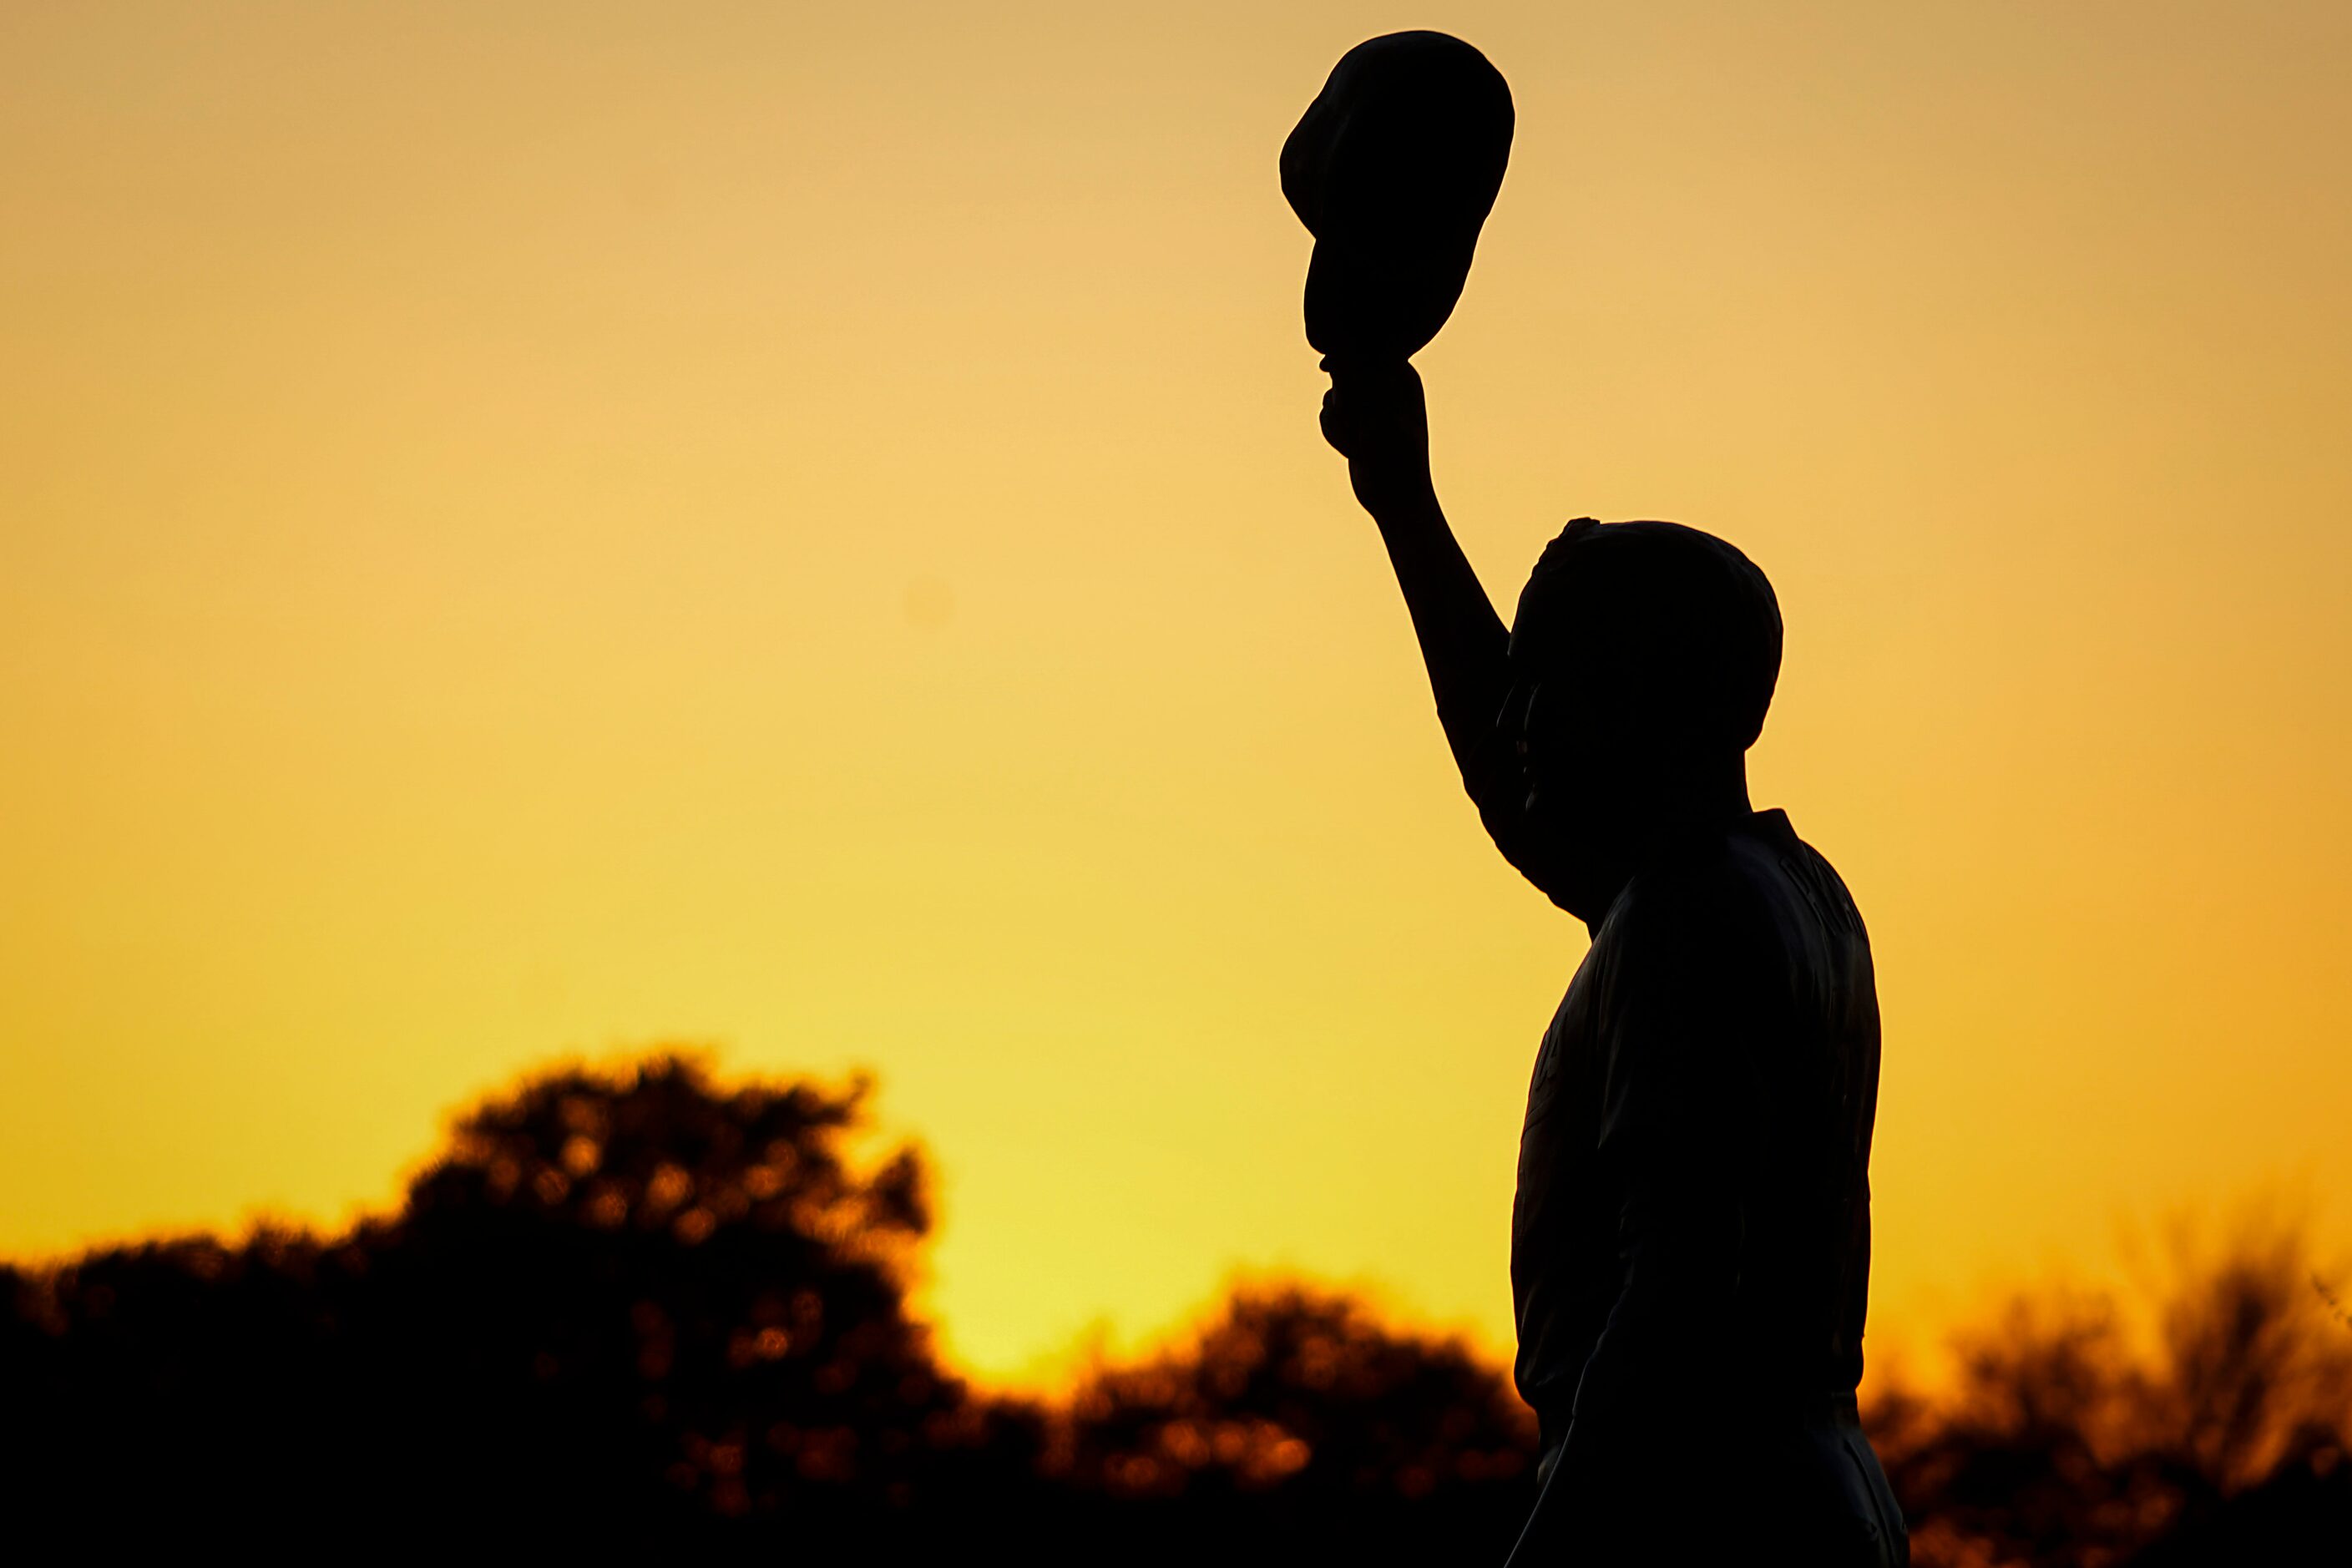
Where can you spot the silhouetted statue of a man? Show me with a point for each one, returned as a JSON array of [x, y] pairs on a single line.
[[1690, 1244]]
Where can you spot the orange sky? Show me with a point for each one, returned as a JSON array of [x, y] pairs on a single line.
[[541, 528]]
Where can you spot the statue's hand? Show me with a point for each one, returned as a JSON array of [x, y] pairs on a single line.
[[1376, 417]]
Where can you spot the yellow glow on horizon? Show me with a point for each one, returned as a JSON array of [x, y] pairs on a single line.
[[567, 528]]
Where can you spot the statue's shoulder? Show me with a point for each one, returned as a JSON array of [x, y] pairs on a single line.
[[1702, 916]]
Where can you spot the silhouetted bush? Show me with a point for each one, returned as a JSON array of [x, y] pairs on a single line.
[[1294, 1426], [2065, 1442]]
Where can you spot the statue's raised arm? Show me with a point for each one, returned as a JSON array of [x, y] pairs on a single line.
[[1394, 168], [1375, 417]]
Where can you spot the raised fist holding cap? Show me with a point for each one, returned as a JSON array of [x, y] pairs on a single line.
[[1393, 169]]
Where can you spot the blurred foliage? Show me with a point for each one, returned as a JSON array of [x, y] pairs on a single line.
[[637, 1308], [2221, 1433], [1294, 1426], [1299, 1389]]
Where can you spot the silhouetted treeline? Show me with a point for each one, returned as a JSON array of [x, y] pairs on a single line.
[[640, 1308]]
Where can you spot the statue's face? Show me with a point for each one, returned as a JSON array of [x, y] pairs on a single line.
[[1561, 720], [1570, 805], [1549, 717], [1536, 716], [1591, 786]]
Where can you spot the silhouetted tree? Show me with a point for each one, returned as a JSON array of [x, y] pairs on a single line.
[[638, 1308], [623, 1304], [1296, 1423]]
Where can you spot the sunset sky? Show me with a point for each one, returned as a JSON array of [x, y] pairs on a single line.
[[532, 530]]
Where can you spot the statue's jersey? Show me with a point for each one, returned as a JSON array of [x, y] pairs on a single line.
[[1692, 1225]]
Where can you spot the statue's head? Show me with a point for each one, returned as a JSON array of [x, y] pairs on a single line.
[[1643, 660]]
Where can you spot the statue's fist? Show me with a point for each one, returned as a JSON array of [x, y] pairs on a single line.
[[1376, 417]]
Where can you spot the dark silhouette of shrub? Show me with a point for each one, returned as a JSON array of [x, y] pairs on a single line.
[[2066, 1442], [1303, 1388], [1294, 1426]]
